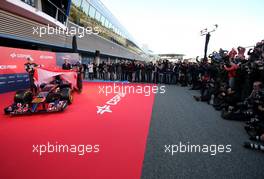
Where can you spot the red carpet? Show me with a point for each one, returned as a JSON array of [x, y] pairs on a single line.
[[121, 135]]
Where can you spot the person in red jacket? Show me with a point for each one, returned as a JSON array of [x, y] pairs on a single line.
[[231, 68]]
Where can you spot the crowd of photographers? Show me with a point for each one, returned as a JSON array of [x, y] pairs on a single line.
[[233, 84], [162, 71], [231, 81]]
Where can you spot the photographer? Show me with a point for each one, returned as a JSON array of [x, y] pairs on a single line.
[[137, 72], [255, 127], [149, 70], [174, 73], [124, 71], [231, 68], [118, 71], [111, 71], [105, 71], [194, 72], [101, 70], [183, 74], [143, 72], [207, 89]]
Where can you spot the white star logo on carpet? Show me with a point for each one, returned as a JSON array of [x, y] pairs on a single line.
[[103, 109]]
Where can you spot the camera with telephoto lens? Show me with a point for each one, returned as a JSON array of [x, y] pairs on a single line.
[[255, 128]]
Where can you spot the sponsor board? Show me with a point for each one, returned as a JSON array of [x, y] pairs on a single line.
[[12, 71], [13, 59], [11, 82]]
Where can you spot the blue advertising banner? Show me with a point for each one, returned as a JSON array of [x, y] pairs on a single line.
[[11, 82]]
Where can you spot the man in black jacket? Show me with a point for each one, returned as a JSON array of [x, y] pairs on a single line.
[[66, 65], [30, 68], [137, 74]]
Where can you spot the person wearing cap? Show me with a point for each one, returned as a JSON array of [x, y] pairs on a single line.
[[30, 68]]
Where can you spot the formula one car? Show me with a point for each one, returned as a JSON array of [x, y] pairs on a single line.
[[54, 93]]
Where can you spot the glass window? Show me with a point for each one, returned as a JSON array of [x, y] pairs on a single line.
[[75, 12], [110, 26], [102, 19], [92, 11], [29, 2], [85, 7], [98, 16], [106, 23], [77, 3]]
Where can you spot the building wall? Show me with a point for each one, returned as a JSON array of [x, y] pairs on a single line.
[[20, 28]]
